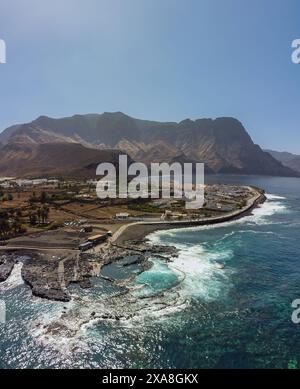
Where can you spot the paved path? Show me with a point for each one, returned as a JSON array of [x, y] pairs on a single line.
[[61, 270], [7, 248]]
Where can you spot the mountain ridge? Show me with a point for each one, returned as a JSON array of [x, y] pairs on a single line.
[[65, 160], [287, 159], [223, 144]]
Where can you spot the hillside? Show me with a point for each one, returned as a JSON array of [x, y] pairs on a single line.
[[287, 159], [52, 159]]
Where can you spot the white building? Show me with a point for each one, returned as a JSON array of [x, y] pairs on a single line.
[[122, 216]]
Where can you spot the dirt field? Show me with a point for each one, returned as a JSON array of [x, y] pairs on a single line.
[[49, 239]]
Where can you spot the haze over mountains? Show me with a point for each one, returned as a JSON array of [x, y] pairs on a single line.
[[288, 159], [75, 145]]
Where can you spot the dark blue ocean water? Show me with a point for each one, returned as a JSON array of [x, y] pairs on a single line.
[[224, 302]]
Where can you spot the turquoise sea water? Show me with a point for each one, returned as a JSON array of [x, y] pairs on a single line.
[[224, 302]]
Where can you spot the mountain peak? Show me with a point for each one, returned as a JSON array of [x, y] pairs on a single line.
[[186, 123], [116, 114], [43, 117]]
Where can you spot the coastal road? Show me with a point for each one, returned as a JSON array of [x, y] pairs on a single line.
[[7, 248], [172, 224], [193, 222]]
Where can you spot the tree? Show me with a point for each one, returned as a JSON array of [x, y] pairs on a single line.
[[39, 215], [16, 226], [32, 218], [44, 213], [44, 197], [4, 227]]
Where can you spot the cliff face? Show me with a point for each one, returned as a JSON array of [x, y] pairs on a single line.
[[223, 144]]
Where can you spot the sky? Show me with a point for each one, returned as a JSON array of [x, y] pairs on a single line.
[[162, 60]]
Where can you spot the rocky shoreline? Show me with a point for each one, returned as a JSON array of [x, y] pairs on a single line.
[[49, 276], [7, 263]]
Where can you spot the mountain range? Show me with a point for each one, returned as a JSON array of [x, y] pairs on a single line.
[[75, 145], [287, 159]]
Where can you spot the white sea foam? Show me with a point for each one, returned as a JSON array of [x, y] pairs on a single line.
[[258, 216], [269, 208], [15, 279], [203, 278], [274, 197]]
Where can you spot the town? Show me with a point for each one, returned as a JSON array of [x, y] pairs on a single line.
[[51, 213], [64, 234]]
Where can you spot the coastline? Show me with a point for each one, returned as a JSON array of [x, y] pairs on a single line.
[[129, 238], [140, 230]]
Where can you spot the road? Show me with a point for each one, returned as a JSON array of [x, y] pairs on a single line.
[[7, 248], [190, 222], [182, 223]]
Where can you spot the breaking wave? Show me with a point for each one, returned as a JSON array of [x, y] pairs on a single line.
[[205, 268], [14, 280]]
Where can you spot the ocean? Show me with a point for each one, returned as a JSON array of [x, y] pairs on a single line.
[[224, 302]]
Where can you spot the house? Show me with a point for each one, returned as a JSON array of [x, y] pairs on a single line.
[[219, 207], [173, 215], [122, 216]]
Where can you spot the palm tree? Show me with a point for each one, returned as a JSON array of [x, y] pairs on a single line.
[[16, 226], [39, 215], [4, 227], [44, 213], [32, 218]]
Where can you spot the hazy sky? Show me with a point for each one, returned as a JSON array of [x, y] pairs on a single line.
[[155, 59]]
